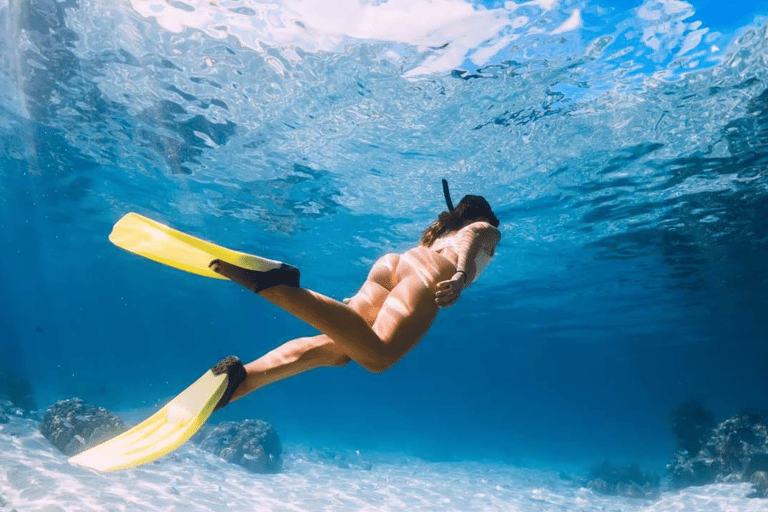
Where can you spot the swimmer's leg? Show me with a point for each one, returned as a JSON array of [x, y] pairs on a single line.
[[344, 325], [289, 359]]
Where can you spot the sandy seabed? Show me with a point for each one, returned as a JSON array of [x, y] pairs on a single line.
[[35, 476]]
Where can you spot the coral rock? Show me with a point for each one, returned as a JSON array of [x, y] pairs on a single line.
[[253, 444], [74, 426]]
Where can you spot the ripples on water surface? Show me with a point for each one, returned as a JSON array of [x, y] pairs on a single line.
[[624, 149]]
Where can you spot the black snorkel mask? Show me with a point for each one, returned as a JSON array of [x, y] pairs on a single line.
[[447, 194], [473, 207]]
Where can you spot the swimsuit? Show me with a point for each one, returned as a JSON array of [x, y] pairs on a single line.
[[453, 241]]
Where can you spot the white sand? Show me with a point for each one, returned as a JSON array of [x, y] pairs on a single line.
[[35, 476]]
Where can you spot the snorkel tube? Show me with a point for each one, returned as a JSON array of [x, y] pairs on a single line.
[[447, 194]]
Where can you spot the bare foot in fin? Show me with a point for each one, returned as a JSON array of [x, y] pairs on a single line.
[[255, 280]]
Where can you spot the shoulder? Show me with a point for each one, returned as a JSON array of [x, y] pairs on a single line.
[[484, 231]]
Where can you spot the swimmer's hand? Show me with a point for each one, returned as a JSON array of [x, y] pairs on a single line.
[[449, 291]]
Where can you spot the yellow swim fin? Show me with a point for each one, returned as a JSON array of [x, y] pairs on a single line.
[[146, 237], [171, 426], [161, 433]]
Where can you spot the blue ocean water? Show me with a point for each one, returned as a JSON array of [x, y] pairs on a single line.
[[623, 147]]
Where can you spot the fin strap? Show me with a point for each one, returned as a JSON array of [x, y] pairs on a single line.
[[256, 280], [236, 375]]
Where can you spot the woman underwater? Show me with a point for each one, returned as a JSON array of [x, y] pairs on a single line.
[[390, 313]]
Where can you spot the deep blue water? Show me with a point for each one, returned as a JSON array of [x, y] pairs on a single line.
[[625, 153]]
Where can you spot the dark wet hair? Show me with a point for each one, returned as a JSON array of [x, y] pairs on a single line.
[[470, 209]]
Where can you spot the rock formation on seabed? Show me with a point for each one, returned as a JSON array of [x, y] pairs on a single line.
[[253, 444], [73, 425], [736, 450]]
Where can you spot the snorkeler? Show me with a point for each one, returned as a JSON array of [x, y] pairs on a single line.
[[386, 318], [392, 310]]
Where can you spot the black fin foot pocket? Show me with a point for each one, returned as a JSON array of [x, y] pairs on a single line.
[[236, 375], [256, 280]]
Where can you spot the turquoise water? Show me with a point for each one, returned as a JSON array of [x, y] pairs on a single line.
[[623, 148]]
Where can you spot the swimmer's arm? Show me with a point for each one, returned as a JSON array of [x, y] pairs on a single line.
[[479, 236]]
